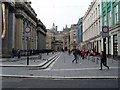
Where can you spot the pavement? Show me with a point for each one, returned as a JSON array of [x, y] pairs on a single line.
[[61, 67], [34, 60]]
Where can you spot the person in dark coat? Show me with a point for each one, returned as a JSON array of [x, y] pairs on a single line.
[[18, 53], [103, 60], [75, 53], [13, 52]]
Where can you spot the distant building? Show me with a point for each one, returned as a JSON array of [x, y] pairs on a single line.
[[80, 32], [58, 40], [92, 27], [74, 36], [66, 38]]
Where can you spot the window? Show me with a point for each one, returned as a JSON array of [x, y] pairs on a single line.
[[116, 14], [105, 22], [110, 19], [99, 9]]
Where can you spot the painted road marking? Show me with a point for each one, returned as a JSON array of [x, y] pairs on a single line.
[[53, 63], [79, 69]]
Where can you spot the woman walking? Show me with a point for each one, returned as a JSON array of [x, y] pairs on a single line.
[[103, 60]]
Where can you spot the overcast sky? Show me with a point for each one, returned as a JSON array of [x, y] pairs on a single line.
[[60, 12]]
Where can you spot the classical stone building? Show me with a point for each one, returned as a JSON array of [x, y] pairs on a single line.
[[74, 36], [50, 38], [58, 40], [66, 38], [0, 28], [8, 27], [41, 36], [92, 27], [18, 17]]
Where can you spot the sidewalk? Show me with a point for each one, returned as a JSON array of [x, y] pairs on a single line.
[[64, 68], [33, 60]]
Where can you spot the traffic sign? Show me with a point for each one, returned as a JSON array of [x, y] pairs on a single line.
[[27, 31], [105, 31]]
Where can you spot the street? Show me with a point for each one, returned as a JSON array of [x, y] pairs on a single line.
[[53, 83], [62, 73]]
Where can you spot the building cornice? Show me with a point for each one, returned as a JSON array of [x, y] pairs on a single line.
[[21, 14], [26, 8]]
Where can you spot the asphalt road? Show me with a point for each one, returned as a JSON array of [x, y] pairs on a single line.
[[56, 83]]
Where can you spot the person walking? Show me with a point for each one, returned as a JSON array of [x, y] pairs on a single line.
[[75, 56], [103, 60], [83, 54], [13, 52], [18, 53]]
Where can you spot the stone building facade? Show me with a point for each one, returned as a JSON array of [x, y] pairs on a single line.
[[8, 27], [0, 29], [92, 27], [19, 16], [58, 40], [66, 38], [74, 36]]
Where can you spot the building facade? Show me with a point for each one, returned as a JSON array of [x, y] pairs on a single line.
[[92, 27], [0, 29], [80, 32], [66, 38], [58, 40], [16, 17], [41, 36], [74, 36], [111, 18], [8, 27]]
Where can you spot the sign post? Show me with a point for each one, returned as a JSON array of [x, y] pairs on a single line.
[[105, 33], [27, 35]]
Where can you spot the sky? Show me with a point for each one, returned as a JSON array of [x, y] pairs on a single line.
[[60, 12]]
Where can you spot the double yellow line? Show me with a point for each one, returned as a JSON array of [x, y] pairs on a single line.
[[4, 20]]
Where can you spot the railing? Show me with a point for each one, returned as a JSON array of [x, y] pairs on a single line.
[[95, 59]]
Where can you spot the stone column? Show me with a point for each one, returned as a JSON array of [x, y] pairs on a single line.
[[5, 49], [107, 42], [11, 35], [18, 34], [112, 45], [0, 29]]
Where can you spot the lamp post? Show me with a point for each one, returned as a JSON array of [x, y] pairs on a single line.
[[27, 35]]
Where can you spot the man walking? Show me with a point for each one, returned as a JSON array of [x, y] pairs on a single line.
[[103, 60], [75, 53]]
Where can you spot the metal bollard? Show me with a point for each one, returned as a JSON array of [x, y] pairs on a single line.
[[97, 61], [40, 55]]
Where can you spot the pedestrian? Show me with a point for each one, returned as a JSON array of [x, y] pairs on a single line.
[[69, 52], [18, 53], [13, 52], [75, 56], [83, 54], [103, 60]]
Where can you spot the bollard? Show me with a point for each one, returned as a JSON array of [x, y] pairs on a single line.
[[40, 55], [97, 61]]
